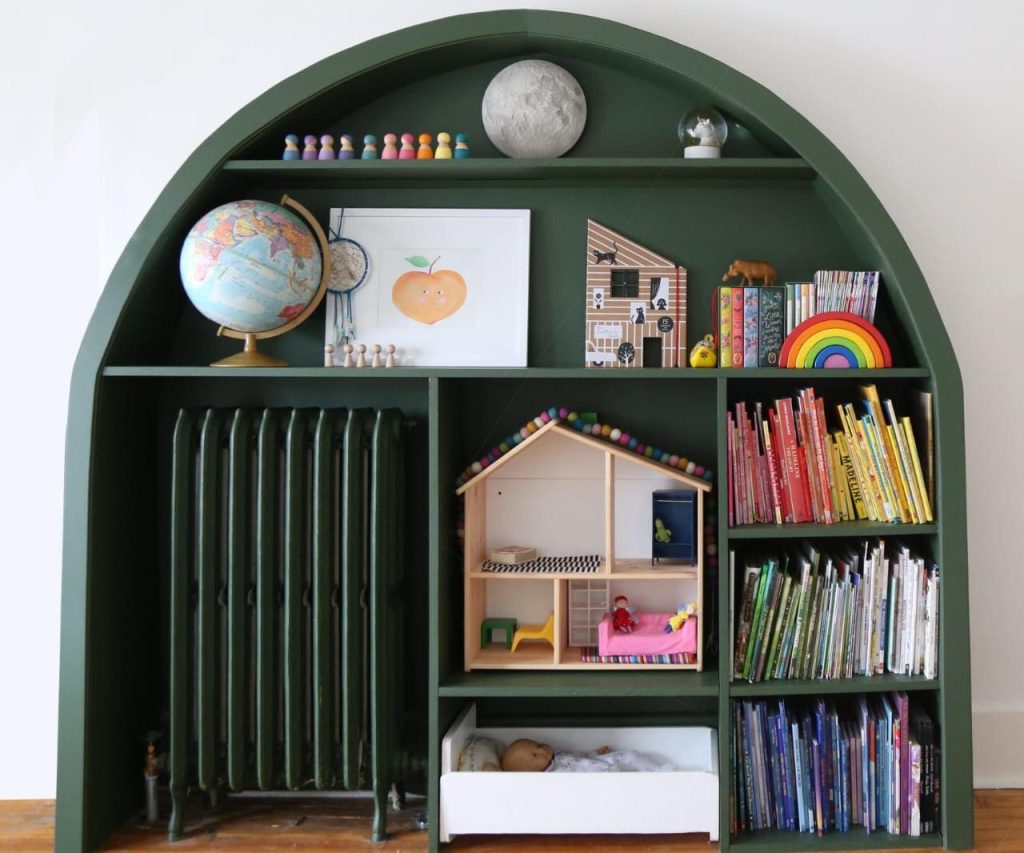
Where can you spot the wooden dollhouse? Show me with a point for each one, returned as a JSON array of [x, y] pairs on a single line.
[[584, 503], [636, 304]]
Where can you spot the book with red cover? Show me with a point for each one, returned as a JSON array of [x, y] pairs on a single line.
[[737, 327], [774, 476], [791, 455], [785, 488], [903, 711], [732, 474]]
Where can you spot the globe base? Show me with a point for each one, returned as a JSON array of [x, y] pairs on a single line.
[[250, 357]]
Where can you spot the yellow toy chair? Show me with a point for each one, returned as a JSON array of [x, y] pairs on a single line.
[[536, 632]]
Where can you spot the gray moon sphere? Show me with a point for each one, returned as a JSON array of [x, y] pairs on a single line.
[[534, 108]]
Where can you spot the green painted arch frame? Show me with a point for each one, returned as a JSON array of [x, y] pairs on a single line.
[[846, 194]]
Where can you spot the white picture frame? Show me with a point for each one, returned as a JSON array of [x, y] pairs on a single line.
[[432, 319]]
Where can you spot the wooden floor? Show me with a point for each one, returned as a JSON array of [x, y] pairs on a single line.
[[293, 824]]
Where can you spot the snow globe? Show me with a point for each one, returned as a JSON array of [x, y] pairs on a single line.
[[703, 132]]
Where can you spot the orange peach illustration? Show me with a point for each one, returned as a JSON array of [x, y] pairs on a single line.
[[430, 296]]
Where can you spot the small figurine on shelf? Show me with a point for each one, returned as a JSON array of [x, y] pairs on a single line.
[[375, 361], [747, 271], [444, 147], [425, 152], [346, 152], [623, 619], [390, 360], [291, 148], [326, 148], [390, 151], [685, 612], [151, 773], [329, 355], [369, 147], [407, 152], [661, 533], [703, 353], [309, 152], [461, 147]]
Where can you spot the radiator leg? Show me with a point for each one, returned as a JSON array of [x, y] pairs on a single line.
[[176, 825], [380, 812]]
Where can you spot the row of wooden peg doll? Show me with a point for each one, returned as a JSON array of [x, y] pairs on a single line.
[[360, 355], [392, 151]]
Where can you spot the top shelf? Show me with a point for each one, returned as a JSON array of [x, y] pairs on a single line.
[[503, 169]]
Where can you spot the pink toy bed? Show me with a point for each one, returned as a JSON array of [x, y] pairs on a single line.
[[648, 638]]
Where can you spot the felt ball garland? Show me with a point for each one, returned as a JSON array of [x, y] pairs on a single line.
[[588, 426]]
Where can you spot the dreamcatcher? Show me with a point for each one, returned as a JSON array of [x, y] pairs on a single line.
[[350, 267]]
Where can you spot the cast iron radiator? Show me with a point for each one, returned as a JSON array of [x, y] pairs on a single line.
[[286, 609]]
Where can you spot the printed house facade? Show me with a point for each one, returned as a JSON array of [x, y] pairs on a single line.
[[636, 304]]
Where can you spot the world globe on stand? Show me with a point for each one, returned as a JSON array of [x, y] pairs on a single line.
[[254, 268]]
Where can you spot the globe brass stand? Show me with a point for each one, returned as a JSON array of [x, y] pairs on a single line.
[[252, 357]]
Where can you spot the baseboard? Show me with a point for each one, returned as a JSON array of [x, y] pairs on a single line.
[[998, 747]]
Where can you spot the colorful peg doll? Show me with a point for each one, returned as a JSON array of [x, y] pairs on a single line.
[[326, 148], [390, 151], [461, 147], [291, 148], [425, 152], [346, 152], [407, 152], [369, 147], [309, 152], [444, 147]]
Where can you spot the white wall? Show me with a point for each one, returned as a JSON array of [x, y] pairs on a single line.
[[100, 102]]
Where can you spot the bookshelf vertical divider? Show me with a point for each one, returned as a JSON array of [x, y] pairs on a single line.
[[145, 348]]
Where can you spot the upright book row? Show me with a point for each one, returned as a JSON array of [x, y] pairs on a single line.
[[809, 767], [785, 466], [855, 612]]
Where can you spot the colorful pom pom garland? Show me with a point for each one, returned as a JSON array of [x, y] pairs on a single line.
[[587, 424]]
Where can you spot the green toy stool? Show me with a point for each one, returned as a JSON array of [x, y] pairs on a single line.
[[501, 624]]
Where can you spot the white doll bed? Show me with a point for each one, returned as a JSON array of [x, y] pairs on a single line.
[[685, 800]]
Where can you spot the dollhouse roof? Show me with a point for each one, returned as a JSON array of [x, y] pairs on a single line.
[[556, 427], [629, 253]]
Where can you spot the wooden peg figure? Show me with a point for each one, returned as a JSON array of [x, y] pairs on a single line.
[[361, 358], [369, 147], [291, 148], [376, 362], [444, 147], [425, 152], [329, 355], [390, 361], [326, 148], [347, 349], [461, 147], [309, 152], [390, 151], [407, 152], [346, 152]]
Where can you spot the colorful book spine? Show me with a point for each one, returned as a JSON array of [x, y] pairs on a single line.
[[751, 312], [725, 326], [737, 327], [771, 324]]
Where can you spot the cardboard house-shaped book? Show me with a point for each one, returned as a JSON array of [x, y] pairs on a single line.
[[585, 504], [636, 304]]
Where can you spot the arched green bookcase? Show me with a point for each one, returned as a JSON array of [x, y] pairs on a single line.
[[783, 192]]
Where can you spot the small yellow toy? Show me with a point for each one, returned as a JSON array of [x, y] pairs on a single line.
[[685, 612], [703, 353]]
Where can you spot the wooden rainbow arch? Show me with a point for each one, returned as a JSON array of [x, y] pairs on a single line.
[[835, 339]]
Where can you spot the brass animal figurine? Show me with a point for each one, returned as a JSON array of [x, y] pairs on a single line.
[[749, 270]]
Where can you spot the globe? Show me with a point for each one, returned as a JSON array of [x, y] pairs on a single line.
[[251, 266]]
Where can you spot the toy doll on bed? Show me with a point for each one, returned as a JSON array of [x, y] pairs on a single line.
[[529, 756]]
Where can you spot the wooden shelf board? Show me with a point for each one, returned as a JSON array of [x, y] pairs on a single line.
[[843, 528], [158, 371], [769, 840], [597, 681], [504, 169], [531, 654], [813, 687], [627, 569]]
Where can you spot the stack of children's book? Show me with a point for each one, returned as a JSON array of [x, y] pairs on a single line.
[[786, 466], [855, 612], [807, 766], [753, 322]]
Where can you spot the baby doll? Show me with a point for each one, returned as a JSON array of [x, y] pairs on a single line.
[[684, 612], [622, 616], [531, 757]]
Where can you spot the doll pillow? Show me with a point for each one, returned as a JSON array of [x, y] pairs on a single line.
[[480, 754]]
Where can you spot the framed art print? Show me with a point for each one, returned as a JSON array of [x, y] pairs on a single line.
[[449, 288]]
